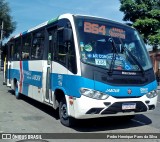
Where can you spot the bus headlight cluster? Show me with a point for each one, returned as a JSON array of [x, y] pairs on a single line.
[[93, 94], [152, 94]]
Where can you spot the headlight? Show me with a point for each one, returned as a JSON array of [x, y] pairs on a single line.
[[152, 94], [93, 94]]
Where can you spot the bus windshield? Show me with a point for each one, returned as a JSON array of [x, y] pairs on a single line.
[[107, 44]]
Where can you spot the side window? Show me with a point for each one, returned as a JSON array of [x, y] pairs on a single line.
[[65, 50], [11, 51], [72, 65], [14, 49], [17, 49], [61, 48], [37, 46], [26, 44]]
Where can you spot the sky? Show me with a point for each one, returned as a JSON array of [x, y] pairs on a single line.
[[29, 13]]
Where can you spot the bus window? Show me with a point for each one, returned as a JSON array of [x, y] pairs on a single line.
[[37, 46], [61, 48], [72, 66], [26, 44], [17, 49], [65, 50], [12, 51]]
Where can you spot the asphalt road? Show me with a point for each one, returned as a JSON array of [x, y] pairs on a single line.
[[29, 116]]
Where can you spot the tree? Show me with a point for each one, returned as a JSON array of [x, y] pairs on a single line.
[[9, 24], [144, 15]]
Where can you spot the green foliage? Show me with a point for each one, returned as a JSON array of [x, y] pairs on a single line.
[[144, 15], [9, 24]]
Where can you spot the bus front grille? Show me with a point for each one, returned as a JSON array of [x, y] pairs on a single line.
[[117, 108]]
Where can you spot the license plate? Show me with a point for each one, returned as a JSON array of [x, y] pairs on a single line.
[[126, 106]]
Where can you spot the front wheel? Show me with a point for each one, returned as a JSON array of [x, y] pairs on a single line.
[[63, 114], [17, 94]]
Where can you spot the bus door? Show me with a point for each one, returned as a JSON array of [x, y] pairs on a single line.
[[8, 70], [57, 62], [4, 71], [50, 44]]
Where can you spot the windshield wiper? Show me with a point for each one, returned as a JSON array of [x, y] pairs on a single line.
[[114, 55], [132, 56]]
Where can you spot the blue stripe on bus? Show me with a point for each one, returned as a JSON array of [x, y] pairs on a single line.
[[72, 84], [30, 77], [25, 83], [13, 73]]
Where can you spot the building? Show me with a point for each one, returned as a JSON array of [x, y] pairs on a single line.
[[155, 58]]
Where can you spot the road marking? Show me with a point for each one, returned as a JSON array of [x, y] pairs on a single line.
[[139, 122]]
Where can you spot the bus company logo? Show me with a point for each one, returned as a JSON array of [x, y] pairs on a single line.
[[128, 73], [129, 91], [144, 90], [113, 90]]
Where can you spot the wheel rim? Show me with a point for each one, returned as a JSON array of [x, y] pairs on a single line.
[[64, 113]]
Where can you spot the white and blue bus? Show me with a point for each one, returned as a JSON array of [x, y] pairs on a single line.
[[83, 66]]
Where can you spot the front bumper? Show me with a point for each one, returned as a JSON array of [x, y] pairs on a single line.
[[85, 107]]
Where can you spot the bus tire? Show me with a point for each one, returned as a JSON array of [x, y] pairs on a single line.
[[63, 114], [16, 90]]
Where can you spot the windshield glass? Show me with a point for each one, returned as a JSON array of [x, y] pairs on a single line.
[[101, 42]]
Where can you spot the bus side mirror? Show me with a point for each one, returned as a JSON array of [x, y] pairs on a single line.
[[67, 34]]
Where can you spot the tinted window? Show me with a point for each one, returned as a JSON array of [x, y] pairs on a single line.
[[61, 48], [65, 50], [109, 45], [37, 46], [17, 47], [26, 44], [14, 49]]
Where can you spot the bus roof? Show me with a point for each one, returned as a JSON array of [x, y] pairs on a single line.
[[60, 17], [36, 27]]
